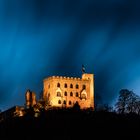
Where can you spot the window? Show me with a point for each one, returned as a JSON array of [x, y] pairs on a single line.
[[70, 102], [83, 96], [84, 86], [64, 102], [77, 94], [71, 94], [65, 93], [58, 94], [65, 85], [77, 86], [58, 84], [59, 102], [71, 86]]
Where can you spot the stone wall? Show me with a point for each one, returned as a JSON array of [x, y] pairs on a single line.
[[66, 91]]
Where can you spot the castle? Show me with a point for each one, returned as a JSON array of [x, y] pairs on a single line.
[[66, 92], [58, 92]]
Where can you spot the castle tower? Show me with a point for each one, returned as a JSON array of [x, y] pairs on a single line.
[[90, 77]]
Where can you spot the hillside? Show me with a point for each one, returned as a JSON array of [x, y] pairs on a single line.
[[71, 125]]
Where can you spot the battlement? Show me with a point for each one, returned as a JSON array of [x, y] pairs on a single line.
[[64, 78]]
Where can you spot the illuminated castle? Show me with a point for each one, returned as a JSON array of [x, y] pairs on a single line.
[[59, 92], [66, 91]]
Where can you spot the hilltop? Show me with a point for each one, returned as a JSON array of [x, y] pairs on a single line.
[[71, 125]]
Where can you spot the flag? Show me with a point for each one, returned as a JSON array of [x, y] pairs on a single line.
[[83, 69]]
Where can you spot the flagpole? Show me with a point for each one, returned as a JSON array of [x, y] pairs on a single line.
[[83, 69]]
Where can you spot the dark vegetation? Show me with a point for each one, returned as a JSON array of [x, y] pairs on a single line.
[[71, 125], [76, 124]]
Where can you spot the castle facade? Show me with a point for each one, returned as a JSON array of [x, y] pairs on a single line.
[[67, 91]]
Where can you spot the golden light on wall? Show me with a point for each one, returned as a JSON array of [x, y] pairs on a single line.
[[65, 91]]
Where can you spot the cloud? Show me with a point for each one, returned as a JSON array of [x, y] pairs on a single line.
[[42, 38]]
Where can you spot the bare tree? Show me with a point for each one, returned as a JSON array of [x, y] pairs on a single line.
[[137, 106], [131, 103], [128, 102], [123, 101]]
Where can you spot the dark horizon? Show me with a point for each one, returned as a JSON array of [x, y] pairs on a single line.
[[42, 38]]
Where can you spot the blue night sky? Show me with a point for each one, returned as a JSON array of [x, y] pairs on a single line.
[[41, 38]]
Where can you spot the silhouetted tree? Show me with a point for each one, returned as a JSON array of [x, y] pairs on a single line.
[[128, 102], [105, 108], [136, 105], [132, 103], [123, 103]]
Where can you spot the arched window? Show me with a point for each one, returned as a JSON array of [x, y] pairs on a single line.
[[58, 84], [84, 86], [71, 94], [59, 101], [77, 95], [65, 93], [58, 94], [64, 102], [77, 86], [65, 85], [71, 85], [83, 96], [70, 103]]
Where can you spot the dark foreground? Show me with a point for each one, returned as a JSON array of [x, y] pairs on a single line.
[[71, 125]]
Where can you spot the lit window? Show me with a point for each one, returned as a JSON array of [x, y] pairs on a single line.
[[59, 102], [70, 102], [83, 96], [77, 94], [58, 85], [77, 86], [65, 93], [84, 86], [71, 86], [71, 94], [58, 94], [65, 85]]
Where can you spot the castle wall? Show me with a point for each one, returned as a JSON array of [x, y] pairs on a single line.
[[59, 95]]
